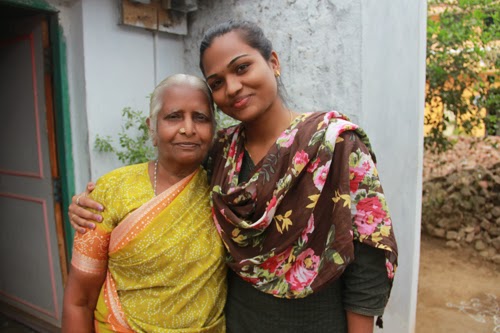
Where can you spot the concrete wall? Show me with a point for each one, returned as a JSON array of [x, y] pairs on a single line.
[[318, 43], [110, 66], [364, 58]]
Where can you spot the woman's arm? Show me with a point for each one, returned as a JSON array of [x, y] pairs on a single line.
[[80, 217], [365, 288], [357, 323], [90, 258], [80, 299], [366, 281]]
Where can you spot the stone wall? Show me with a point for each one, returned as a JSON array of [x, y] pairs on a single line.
[[462, 204]]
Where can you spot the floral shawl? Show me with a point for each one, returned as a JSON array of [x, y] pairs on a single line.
[[289, 229], [163, 261]]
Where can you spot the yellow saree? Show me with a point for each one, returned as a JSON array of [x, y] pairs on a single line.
[[164, 258]]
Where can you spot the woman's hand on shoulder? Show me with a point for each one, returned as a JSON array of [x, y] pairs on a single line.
[[80, 216]]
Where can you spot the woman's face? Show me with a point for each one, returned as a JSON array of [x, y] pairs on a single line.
[[242, 81], [185, 108]]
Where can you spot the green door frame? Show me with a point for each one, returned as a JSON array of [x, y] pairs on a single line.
[[61, 106]]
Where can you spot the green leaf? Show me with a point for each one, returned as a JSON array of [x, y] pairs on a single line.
[[133, 139]]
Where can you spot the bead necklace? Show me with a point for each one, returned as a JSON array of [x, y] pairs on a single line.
[[156, 170]]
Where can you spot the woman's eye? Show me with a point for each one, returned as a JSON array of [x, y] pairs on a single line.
[[173, 116], [241, 68], [201, 117], [215, 84]]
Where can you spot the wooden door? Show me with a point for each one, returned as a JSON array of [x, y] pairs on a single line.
[[32, 256]]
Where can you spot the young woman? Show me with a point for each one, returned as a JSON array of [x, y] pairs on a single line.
[[157, 254], [296, 199]]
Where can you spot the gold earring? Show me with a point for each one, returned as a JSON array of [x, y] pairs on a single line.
[[182, 130], [277, 73]]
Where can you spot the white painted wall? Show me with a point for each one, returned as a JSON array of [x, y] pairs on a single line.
[[364, 58], [392, 95], [110, 66], [120, 71]]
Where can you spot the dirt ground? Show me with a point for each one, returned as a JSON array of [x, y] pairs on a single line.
[[457, 292]]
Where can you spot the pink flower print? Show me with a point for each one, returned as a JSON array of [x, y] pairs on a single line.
[[328, 116], [356, 176], [274, 264], [229, 130], [271, 204], [300, 160], [309, 229], [366, 163], [319, 177], [359, 170], [264, 221], [232, 149], [286, 139], [236, 168], [390, 269], [239, 161], [251, 280], [303, 271], [313, 166], [369, 214]]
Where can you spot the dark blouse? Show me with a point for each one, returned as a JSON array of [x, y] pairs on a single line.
[[363, 288]]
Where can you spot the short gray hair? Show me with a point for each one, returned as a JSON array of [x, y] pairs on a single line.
[[156, 102]]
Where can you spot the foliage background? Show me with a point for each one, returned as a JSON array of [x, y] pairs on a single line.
[[134, 143], [463, 61]]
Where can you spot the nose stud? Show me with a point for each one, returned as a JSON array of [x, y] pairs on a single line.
[[182, 130]]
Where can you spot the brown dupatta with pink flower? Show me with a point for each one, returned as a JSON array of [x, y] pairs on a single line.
[[290, 228]]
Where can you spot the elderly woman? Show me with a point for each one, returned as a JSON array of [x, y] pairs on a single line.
[[155, 264]]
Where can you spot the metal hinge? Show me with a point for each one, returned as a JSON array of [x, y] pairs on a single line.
[[56, 186]]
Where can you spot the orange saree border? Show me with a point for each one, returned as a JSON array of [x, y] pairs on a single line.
[[139, 219], [116, 317], [90, 251]]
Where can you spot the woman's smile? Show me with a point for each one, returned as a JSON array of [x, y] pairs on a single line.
[[187, 145], [241, 102]]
